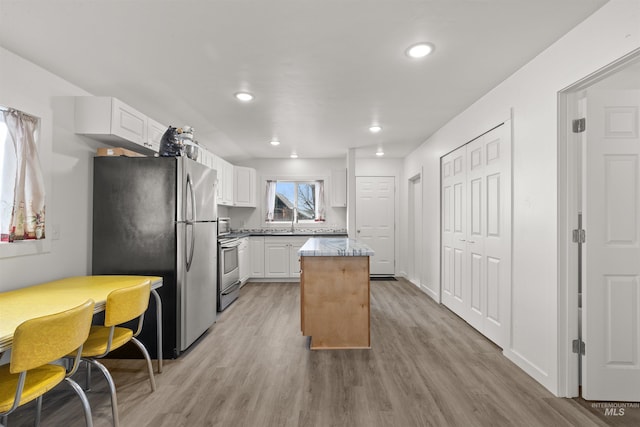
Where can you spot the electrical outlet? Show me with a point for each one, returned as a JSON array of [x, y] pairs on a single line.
[[55, 232]]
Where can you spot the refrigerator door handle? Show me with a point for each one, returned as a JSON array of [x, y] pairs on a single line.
[[191, 222], [194, 217]]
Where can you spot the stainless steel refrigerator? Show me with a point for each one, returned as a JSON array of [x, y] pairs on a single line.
[[157, 216]]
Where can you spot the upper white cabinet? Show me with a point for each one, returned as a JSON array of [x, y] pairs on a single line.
[[110, 120], [244, 190], [225, 181], [339, 187], [155, 131], [206, 158]]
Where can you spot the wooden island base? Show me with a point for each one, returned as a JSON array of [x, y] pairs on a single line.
[[334, 301]]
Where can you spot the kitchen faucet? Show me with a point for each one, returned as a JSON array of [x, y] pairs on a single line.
[[293, 218]]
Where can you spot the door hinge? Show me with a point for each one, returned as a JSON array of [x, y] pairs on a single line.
[[579, 236], [579, 125], [578, 346]]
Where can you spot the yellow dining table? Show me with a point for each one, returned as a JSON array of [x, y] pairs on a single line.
[[22, 304]]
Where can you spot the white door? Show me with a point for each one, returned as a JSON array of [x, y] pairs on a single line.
[[414, 259], [476, 232], [475, 281], [454, 233], [611, 284], [375, 221], [497, 232]]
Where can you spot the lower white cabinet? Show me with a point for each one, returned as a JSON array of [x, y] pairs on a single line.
[[294, 258], [244, 260], [281, 256], [256, 249]]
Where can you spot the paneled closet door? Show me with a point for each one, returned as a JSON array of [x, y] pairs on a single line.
[[497, 233], [476, 232], [454, 232], [476, 280]]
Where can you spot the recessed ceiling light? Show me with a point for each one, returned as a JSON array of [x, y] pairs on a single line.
[[379, 153], [420, 50], [244, 96], [274, 142], [375, 128], [293, 156]]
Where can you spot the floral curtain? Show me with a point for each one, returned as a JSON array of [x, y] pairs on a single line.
[[320, 209], [271, 199], [21, 167]]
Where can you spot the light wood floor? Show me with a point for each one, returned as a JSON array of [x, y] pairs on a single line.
[[426, 368]]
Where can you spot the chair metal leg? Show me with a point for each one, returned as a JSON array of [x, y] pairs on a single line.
[[4, 420], [159, 326], [112, 390], [149, 367], [83, 398], [87, 378], [38, 410]]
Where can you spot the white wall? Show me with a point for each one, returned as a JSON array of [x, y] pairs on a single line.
[[66, 162], [531, 92], [292, 169]]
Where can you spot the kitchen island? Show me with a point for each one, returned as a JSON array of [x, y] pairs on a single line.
[[334, 293]]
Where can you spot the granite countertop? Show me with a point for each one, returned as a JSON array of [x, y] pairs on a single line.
[[334, 246], [287, 232], [237, 235]]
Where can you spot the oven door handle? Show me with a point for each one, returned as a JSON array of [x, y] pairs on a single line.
[[230, 245], [230, 289]]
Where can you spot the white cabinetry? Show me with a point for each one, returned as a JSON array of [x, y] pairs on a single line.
[[256, 248], [294, 258], [155, 131], [244, 260], [110, 120], [276, 257], [339, 187], [225, 181], [206, 158], [281, 256], [244, 189]]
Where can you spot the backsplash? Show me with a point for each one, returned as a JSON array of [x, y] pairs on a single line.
[[316, 230]]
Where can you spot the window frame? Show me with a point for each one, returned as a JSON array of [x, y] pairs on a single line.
[[296, 179]]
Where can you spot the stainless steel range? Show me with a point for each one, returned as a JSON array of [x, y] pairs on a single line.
[[228, 271]]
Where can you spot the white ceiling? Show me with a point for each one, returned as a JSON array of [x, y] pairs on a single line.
[[322, 71]]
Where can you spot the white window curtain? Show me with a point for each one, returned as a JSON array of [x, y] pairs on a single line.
[[320, 207], [271, 199], [22, 190]]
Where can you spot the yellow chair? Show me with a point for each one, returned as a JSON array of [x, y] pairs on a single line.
[[123, 305], [36, 344]]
